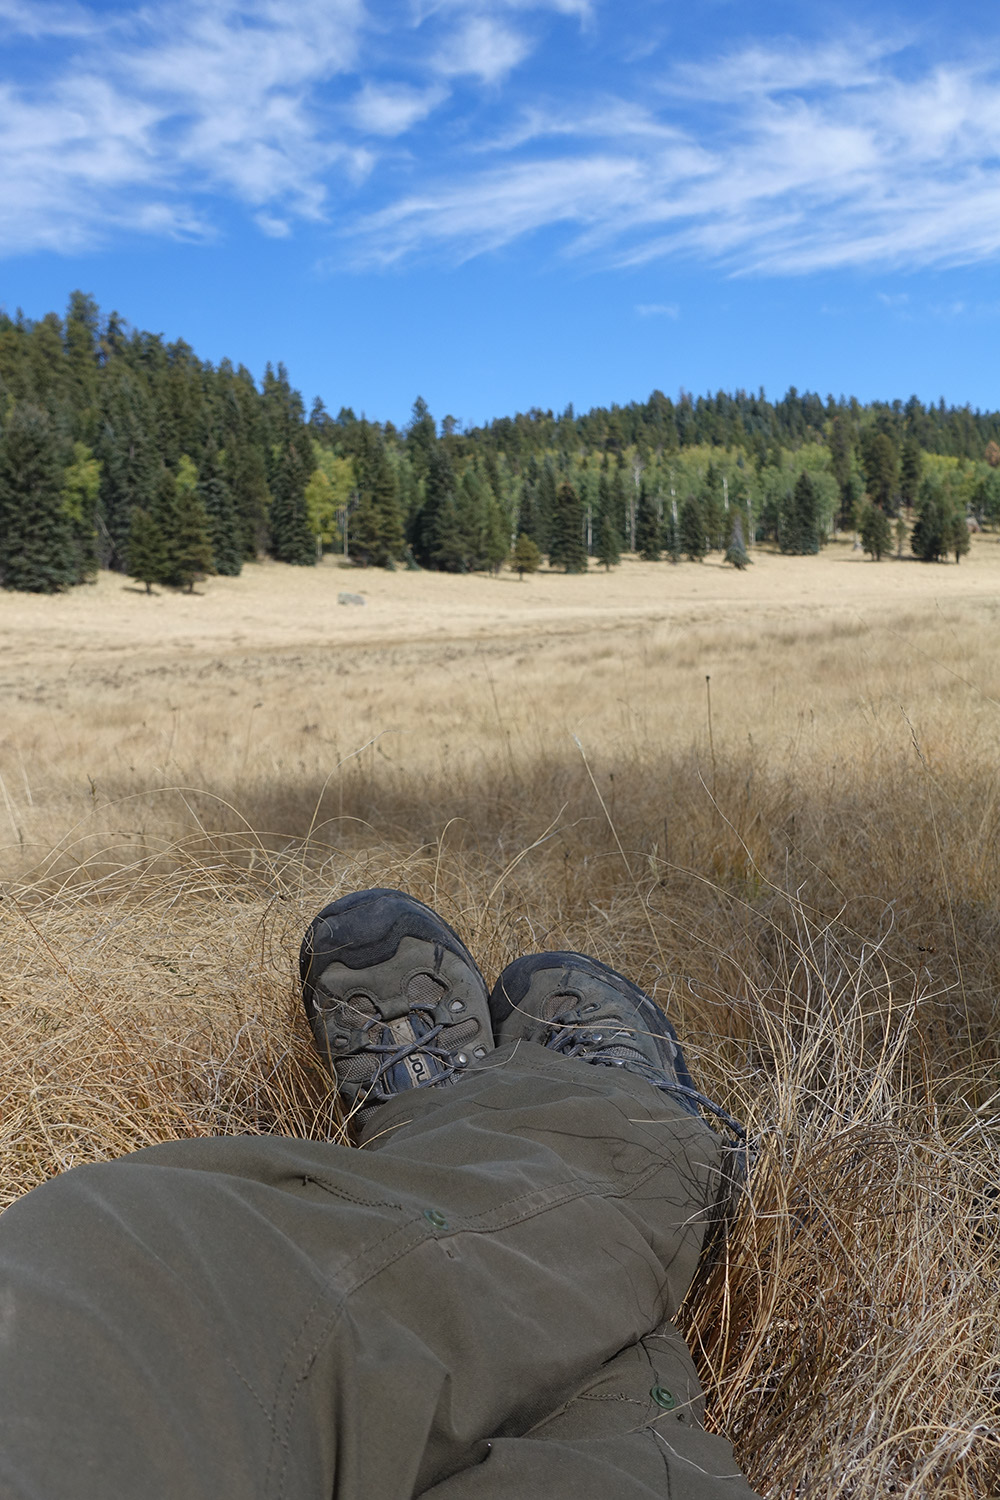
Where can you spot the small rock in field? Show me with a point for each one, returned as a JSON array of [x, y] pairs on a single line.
[[343, 598]]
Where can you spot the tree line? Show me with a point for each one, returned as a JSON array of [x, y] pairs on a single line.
[[121, 450]]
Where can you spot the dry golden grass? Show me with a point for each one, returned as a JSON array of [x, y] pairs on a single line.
[[803, 868]]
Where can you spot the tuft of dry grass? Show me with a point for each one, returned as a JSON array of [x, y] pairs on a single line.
[[807, 883]]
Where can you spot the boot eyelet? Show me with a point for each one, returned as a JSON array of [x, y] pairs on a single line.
[[456, 1006]]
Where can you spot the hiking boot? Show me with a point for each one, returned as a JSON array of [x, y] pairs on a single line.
[[394, 998], [579, 1007]]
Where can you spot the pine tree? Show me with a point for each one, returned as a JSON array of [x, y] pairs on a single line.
[[693, 541], [525, 556], [851, 498], [931, 537], [713, 510], [36, 552], [875, 531], [527, 516], [546, 505], [376, 536], [566, 549], [192, 549], [147, 554], [81, 338], [217, 498], [430, 523], [421, 438], [799, 533], [609, 547], [127, 450], [246, 475], [622, 514], [910, 468], [496, 535], [959, 541], [880, 462], [291, 539], [166, 519], [841, 450], [647, 526]]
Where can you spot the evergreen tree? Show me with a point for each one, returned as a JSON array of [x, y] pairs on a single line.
[[127, 450], [609, 547], [841, 450], [875, 531], [526, 518], [910, 469], [958, 533], [376, 535], [546, 505], [291, 539], [880, 462], [165, 518], [246, 475], [192, 544], [217, 498], [496, 535], [693, 541], [800, 518], [81, 340], [647, 526], [932, 533], [36, 551], [525, 557], [713, 510], [433, 529], [566, 549], [622, 513], [453, 548], [736, 552], [147, 553], [851, 498], [421, 438]]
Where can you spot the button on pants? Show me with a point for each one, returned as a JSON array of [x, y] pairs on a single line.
[[475, 1304]]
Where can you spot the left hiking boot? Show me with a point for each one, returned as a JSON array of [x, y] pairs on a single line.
[[394, 998]]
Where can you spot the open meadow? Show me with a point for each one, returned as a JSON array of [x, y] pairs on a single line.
[[773, 798]]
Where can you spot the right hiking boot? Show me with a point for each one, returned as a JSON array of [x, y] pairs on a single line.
[[579, 1007], [394, 998]]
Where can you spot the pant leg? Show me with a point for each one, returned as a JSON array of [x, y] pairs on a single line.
[[264, 1317], [615, 1440]]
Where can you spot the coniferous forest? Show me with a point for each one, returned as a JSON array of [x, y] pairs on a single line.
[[122, 451]]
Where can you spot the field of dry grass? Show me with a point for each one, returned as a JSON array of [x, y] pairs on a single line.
[[798, 857]]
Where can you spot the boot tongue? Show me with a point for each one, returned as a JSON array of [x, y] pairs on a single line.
[[619, 1045]]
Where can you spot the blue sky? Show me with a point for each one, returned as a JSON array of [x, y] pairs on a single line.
[[508, 203]]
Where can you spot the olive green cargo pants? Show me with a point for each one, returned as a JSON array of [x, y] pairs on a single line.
[[476, 1304]]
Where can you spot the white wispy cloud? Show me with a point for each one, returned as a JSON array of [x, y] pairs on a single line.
[[658, 310], [136, 131], [392, 109], [27, 19], [419, 136], [484, 47], [815, 164]]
